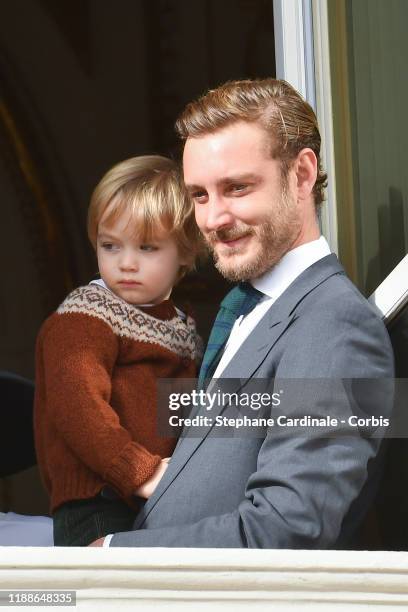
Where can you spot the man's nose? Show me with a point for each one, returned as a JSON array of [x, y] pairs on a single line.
[[218, 214], [129, 261]]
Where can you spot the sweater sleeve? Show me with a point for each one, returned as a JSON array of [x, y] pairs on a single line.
[[78, 354]]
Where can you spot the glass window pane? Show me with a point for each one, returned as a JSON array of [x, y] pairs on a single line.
[[369, 51]]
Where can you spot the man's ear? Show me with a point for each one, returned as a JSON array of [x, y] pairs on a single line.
[[306, 173]]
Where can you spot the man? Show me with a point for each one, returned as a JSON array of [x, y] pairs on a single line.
[[252, 166]]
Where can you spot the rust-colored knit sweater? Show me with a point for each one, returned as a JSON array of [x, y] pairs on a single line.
[[97, 362]]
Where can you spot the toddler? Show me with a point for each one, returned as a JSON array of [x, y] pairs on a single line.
[[99, 355]]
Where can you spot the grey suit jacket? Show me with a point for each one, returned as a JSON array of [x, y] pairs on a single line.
[[281, 491]]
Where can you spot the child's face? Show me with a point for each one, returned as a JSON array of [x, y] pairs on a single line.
[[138, 272]]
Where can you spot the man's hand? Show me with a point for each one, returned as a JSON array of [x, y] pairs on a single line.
[[147, 488], [98, 542]]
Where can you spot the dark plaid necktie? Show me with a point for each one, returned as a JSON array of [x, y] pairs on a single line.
[[239, 301]]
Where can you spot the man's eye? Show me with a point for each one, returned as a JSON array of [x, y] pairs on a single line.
[[148, 247], [199, 196], [238, 187]]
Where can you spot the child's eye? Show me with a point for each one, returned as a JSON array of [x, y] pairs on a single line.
[[148, 247], [109, 246]]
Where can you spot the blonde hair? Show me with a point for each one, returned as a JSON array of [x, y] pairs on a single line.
[[285, 116], [151, 191]]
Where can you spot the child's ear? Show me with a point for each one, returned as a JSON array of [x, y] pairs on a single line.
[[182, 271], [306, 173]]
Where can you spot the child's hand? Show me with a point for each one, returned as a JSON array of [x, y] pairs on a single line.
[[147, 488]]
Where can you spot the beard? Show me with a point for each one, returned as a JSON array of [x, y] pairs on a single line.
[[268, 243]]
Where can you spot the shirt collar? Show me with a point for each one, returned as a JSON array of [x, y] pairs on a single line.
[[274, 282]]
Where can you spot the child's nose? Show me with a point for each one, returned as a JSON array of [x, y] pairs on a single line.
[[129, 261]]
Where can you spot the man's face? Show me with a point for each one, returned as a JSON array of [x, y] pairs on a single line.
[[247, 214]]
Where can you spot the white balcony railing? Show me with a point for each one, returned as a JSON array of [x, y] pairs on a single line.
[[211, 579]]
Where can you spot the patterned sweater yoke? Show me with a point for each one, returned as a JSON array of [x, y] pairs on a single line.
[[158, 324]]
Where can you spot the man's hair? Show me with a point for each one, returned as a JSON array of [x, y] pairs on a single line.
[[151, 191], [275, 105]]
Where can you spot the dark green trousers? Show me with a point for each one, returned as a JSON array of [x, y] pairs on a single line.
[[80, 522]]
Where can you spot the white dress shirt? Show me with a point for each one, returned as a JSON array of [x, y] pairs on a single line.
[[273, 283]]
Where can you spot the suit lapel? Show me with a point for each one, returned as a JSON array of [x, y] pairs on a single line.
[[256, 348], [248, 359], [277, 319]]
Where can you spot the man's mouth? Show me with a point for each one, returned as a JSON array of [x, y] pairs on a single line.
[[231, 242]]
